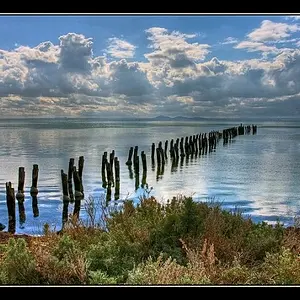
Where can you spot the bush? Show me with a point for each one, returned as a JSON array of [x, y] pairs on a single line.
[[279, 268], [100, 277], [65, 264], [19, 265]]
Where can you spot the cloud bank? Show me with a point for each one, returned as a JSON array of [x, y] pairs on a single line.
[[178, 76]]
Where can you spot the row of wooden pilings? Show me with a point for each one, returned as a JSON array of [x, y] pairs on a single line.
[[67, 188], [184, 147], [110, 167], [70, 196], [20, 196]]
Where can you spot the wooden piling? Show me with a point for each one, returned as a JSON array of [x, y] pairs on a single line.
[[200, 143], [166, 149], [34, 190], [136, 164], [158, 156], [80, 170], [117, 179], [35, 173], [66, 198], [162, 155], [20, 195], [181, 148], [108, 173], [11, 207], [129, 160], [137, 180], [70, 176], [135, 153], [144, 179], [78, 194], [144, 161], [64, 182], [103, 168], [111, 163], [153, 154]]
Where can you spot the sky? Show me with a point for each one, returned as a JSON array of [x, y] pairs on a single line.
[[144, 66]]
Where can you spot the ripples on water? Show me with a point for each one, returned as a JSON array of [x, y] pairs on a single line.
[[256, 173]]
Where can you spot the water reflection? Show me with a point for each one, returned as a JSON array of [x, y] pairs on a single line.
[[261, 168]]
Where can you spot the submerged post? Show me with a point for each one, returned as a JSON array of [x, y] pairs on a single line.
[[166, 149], [153, 154], [111, 163], [78, 194], [80, 170], [11, 207], [70, 175], [129, 160], [144, 161], [103, 167], [117, 179], [34, 190], [35, 173], [20, 195], [66, 198]]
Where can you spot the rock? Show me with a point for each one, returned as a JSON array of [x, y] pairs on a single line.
[[2, 226]]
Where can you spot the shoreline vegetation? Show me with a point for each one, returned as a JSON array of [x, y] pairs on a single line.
[[179, 242]]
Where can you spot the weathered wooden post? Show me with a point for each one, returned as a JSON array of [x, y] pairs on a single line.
[[80, 169], [135, 152], [11, 207], [137, 180], [153, 154], [186, 146], [144, 179], [166, 149], [78, 194], [34, 190], [111, 163], [137, 164], [117, 179], [195, 141], [158, 156], [161, 152], [191, 147], [35, 174], [70, 175], [109, 182], [200, 143], [66, 198], [108, 174], [20, 195], [144, 161], [129, 160], [176, 150], [103, 167], [181, 148]]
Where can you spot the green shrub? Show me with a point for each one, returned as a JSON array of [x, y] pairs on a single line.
[[66, 245], [112, 257], [18, 266], [100, 277], [280, 268], [262, 238]]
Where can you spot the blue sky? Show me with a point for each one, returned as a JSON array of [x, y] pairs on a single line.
[[222, 66]]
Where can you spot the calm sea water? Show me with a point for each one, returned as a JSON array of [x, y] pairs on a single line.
[[259, 174]]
